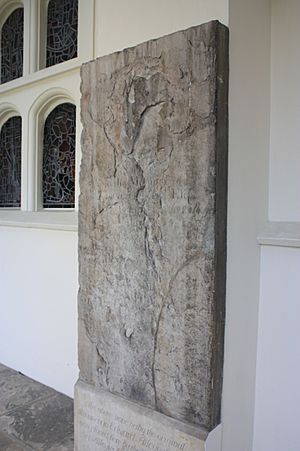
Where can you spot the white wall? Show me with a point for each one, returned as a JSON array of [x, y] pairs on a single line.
[[38, 319], [121, 24], [38, 259], [277, 409], [285, 112], [249, 105], [277, 395], [38, 313]]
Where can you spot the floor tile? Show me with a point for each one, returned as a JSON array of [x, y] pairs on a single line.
[[17, 390], [33, 417], [9, 444]]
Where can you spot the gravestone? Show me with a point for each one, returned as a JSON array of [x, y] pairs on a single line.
[[152, 243]]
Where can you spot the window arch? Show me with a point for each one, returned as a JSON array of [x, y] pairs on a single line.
[[58, 180], [12, 46], [62, 31], [10, 163]]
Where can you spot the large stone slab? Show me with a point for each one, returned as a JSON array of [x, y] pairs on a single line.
[[108, 422], [152, 223]]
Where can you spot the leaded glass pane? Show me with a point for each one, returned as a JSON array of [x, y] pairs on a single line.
[[62, 28], [10, 163], [12, 46], [59, 157]]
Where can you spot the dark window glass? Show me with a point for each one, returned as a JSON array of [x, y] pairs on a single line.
[[62, 25], [12, 46], [10, 163], [59, 157]]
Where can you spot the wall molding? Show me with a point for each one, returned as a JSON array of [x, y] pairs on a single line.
[[282, 234], [46, 219]]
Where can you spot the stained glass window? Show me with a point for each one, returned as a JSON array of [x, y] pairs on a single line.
[[12, 46], [62, 26], [59, 157], [10, 163]]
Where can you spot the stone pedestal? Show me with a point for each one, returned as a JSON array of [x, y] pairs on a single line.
[[152, 243], [108, 422]]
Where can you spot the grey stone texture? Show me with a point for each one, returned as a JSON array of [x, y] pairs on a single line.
[[33, 416], [152, 223]]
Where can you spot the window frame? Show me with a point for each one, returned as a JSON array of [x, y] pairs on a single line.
[[6, 9], [8, 111], [5, 13], [41, 120], [42, 90], [38, 114], [43, 31]]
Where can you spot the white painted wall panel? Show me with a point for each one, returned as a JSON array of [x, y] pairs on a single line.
[[249, 108], [277, 406], [122, 24], [38, 304], [285, 112]]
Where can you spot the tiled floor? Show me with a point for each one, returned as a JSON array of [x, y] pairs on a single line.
[[33, 416]]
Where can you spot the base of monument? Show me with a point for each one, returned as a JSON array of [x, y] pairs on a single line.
[[106, 422]]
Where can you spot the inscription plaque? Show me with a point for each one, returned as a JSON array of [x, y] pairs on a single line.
[[107, 422]]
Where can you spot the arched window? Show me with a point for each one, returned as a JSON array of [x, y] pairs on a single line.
[[10, 163], [62, 30], [12, 46], [59, 157]]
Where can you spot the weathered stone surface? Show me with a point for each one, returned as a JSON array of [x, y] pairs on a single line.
[[4, 368], [17, 390], [152, 223], [33, 416], [111, 423], [44, 424], [9, 444]]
